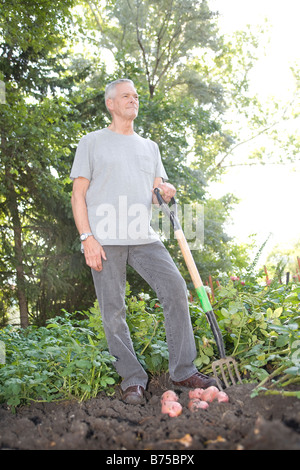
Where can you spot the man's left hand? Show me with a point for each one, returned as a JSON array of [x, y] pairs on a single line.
[[167, 191]]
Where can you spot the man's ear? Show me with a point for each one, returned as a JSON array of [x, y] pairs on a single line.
[[109, 103]]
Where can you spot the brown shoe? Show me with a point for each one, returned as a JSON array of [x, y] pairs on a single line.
[[133, 395], [197, 380]]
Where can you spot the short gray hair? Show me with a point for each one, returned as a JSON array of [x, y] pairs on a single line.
[[110, 87]]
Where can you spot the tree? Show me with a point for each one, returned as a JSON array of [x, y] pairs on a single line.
[[187, 76], [31, 34], [158, 36], [286, 260], [267, 129]]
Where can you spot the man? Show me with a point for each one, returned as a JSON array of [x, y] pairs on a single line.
[[114, 174]]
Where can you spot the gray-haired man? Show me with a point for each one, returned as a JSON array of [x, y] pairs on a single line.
[[114, 173]]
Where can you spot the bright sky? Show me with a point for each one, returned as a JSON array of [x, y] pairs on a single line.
[[269, 194]]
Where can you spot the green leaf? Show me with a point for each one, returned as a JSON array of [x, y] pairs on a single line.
[[294, 370], [278, 312]]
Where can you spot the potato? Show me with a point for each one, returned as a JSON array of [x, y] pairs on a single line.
[[196, 393], [169, 395], [210, 394], [172, 408], [222, 397], [196, 404]]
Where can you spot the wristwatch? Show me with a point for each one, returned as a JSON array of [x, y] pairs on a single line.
[[84, 236]]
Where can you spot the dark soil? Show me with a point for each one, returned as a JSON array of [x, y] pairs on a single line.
[[106, 423]]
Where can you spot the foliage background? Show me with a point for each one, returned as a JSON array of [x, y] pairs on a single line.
[[54, 66], [195, 102], [68, 358]]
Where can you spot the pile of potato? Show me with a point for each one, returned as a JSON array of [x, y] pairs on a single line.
[[199, 399]]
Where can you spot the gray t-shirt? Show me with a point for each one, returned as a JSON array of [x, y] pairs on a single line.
[[121, 170]]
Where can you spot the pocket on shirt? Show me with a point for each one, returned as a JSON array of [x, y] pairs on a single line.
[[145, 163]]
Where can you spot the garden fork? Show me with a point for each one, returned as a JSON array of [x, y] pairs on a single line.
[[226, 366]]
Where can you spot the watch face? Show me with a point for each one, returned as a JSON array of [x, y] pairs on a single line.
[[84, 236]]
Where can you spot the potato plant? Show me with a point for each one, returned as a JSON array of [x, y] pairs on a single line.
[[69, 357]]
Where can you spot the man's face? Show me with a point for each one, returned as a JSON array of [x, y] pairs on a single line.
[[125, 103]]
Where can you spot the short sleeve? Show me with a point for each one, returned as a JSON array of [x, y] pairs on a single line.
[[160, 170], [82, 161]]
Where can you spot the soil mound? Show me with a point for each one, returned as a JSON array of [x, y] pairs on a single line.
[[106, 423]]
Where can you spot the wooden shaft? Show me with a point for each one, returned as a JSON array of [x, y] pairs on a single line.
[[189, 260]]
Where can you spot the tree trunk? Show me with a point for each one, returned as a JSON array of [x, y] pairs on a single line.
[[12, 204], [21, 293]]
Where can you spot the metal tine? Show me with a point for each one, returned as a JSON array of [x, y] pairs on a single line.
[[216, 374], [236, 371], [238, 377], [220, 385], [228, 362]]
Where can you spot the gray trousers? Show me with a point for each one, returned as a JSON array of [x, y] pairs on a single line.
[[154, 263]]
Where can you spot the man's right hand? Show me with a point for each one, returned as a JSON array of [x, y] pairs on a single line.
[[94, 253]]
